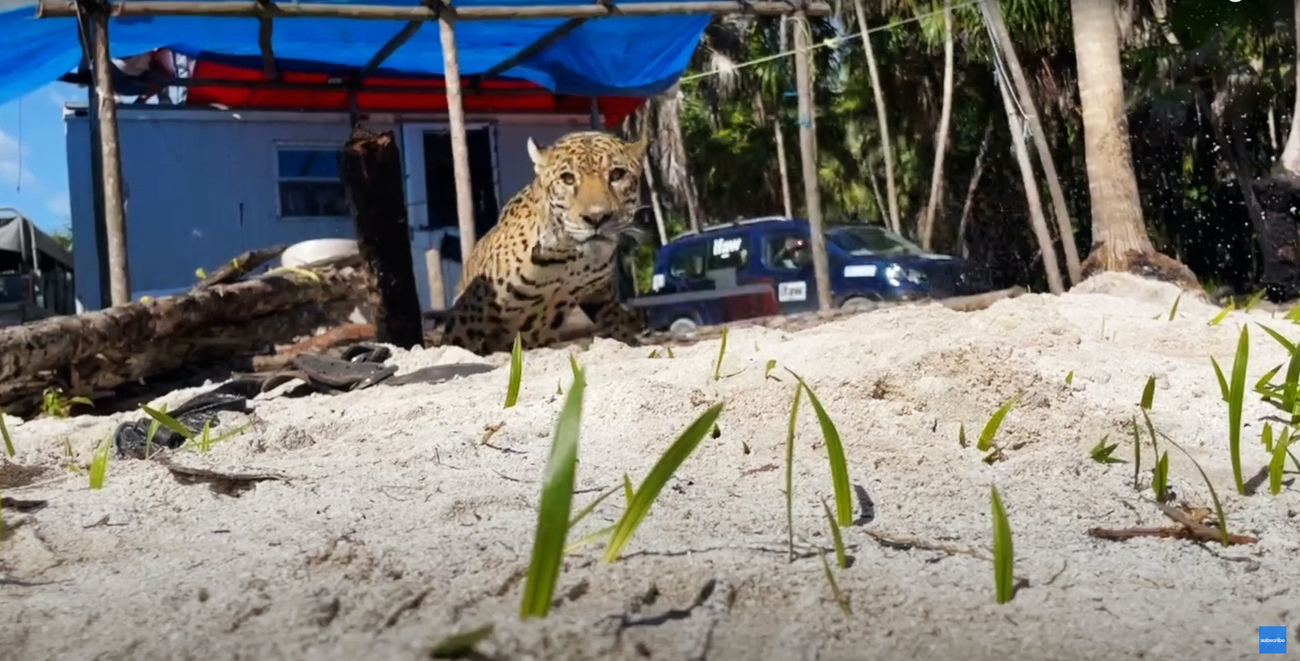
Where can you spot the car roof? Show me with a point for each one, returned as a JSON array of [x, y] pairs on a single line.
[[724, 229]]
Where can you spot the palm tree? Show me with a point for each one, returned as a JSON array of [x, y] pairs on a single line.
[[882, 120], [941, 136], [1120, 239]]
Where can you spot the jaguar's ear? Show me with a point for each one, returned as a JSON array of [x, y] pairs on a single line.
[[636, 150], [539, 158]]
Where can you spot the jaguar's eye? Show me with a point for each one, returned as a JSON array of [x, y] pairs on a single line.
[[568, 178], [617, 174]]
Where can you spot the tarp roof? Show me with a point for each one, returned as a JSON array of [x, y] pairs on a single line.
[[621, 56], [17, 234]]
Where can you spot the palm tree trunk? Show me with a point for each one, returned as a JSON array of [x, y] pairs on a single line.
[[780, 136], [1037, 221], [785, 168], [1119, 233], [881, 119], [654, 199], [994, 15], [1291, 152], [941, 136], [970, 190]]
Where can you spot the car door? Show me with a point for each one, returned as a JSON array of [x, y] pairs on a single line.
[[790, 269]]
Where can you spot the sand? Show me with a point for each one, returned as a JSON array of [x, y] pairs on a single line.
[[398, 525]]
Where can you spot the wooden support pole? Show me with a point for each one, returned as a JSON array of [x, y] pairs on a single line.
[[253, 8], [437, 287], [459, 146], [119, 276], [808, 156], [372, 171], [264, 32]]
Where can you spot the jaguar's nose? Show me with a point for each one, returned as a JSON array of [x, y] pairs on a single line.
[[595, 220]]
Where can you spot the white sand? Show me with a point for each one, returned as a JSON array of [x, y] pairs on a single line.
[[393, 495]]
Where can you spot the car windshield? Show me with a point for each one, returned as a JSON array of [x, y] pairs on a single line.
[[868, 240]]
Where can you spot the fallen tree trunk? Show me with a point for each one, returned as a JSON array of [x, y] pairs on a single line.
[[95, 352]]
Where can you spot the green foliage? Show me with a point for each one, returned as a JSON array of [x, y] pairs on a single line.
[[1101, 452], [4, 434], [516, 372], [1004, 557]]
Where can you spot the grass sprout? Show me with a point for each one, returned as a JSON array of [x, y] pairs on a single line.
[[1223, 382], [1004, 557], [722, 351], [961, 435], [99, 463], [1266, 437], [556, 504], [841, 558], [1174, 310], [461, 645], [767, 370], [1160, 478], [1149, 393], [1101, 453], [1223, 314], [582, 513], [840, 599], [1069, 378], [1214, 495], [835, 454], [995, 421], [57, 405], [789, 469], [1275, 465], [1236, 394], [4, 435], [1137, 455], [644, 496], [516, 372], [1254, 300]]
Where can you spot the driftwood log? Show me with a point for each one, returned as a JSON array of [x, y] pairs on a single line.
[[92, 353]]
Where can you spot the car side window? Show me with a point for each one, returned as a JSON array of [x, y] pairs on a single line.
[[728, 253], [687, 262], [786, 250]]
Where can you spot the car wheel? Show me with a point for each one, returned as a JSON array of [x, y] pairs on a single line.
[[683, 327], [858, 304]]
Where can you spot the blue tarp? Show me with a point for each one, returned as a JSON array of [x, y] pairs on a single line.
[[633, 56]]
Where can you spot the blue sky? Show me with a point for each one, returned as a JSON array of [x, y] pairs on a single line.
[[34, 157]]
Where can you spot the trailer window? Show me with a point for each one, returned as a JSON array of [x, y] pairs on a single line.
[[309, 184]]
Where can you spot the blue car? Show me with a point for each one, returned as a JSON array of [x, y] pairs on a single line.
[[761, 267]]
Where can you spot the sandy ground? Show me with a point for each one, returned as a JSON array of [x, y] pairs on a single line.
[[399, 525]]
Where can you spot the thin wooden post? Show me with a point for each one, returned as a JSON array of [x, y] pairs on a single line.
[[433, 271], [372, 172], [808, 156], [119, 275], [459, 146], [596, 124]]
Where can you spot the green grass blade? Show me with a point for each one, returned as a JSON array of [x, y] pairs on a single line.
[[1160, 478], [1069, 378], [1254, 300], [169, 422], [835, 454], [1214, 495], [1236, 394], [991, 427], [1281, 339], [767, 369], [789, 469], [841, 558], [840, 599], [516, 372], [1174, 310], [1267, 437], [99, 463], [461, 645], [1137, 455], [1101, 452], [1151, 429], [658, 477], [556, 504], [582, 513], [1275, 465], [1293, 315], [1004, 557], [1223, 313], [722, 351], [4, 434], [1149, 393], [628, 491], [961, 435], [587, 539], [1263, 387], [1223, 383]]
